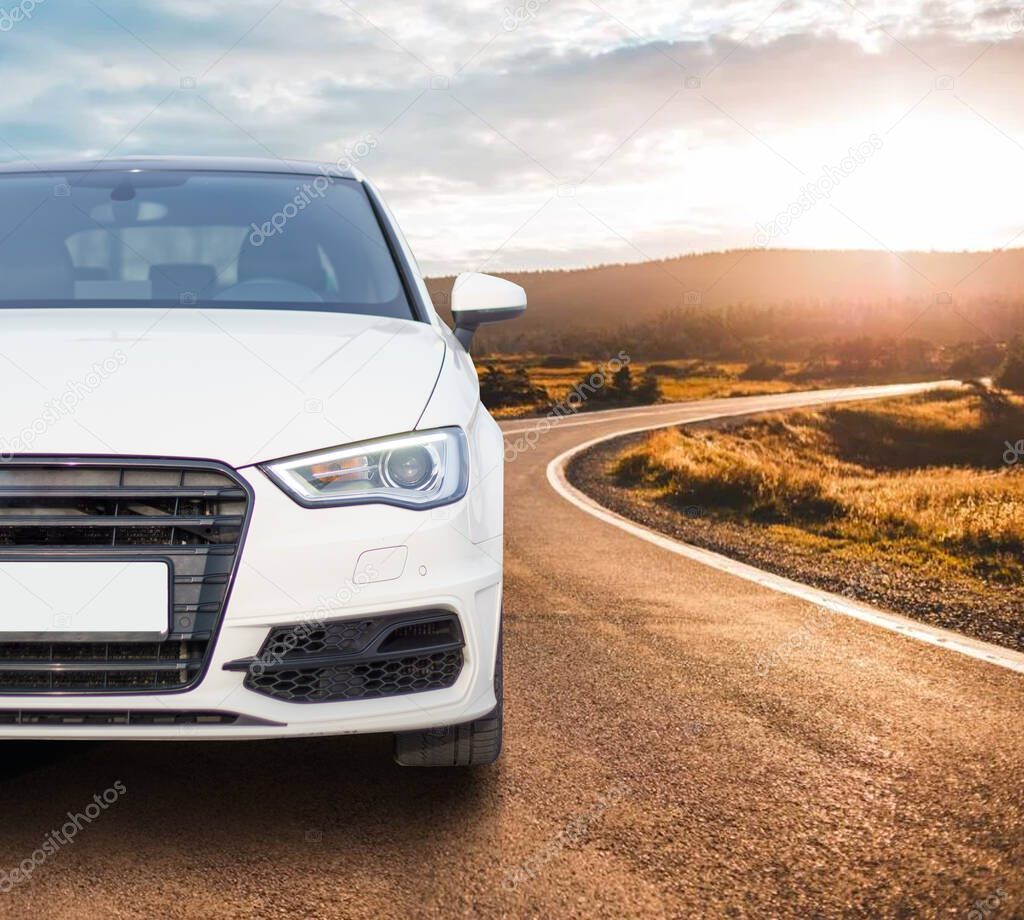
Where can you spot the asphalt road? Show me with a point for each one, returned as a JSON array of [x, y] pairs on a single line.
[[651, 768]]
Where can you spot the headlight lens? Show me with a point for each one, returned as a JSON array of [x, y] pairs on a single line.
[[423, 469]]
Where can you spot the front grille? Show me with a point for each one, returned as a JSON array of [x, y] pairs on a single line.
[[192, 514], [344, 660]]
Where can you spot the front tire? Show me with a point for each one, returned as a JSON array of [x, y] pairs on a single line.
[[470, 744]]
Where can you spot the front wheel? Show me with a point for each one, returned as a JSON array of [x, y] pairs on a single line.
[[470, 744]]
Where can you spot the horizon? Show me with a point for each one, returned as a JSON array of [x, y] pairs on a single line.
[[767, 250]]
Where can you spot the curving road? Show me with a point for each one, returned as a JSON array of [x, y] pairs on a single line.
[[651, 768]]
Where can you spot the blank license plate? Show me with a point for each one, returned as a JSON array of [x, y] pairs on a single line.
[[41, 600]]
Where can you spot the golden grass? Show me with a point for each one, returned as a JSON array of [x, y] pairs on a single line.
[[558, 382], [873, 479]]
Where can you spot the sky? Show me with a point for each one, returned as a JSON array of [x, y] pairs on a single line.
[[562, 133]]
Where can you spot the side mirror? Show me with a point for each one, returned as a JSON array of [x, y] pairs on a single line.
[[478, 299]]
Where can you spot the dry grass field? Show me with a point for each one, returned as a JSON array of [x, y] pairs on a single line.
[[920, 482], [677, 380]]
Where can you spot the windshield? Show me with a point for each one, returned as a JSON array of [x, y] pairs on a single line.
[[136, 238]]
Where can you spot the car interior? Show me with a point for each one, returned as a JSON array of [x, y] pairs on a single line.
[[205, 239]]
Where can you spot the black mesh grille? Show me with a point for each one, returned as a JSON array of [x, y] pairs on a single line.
[[340, 636], [192, 514], [358, 659], [350, 636], [362, 681]]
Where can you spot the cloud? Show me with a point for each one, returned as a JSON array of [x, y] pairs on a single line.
[[541, 132]]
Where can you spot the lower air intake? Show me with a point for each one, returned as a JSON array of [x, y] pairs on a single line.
[[364, 681], [348, 660]]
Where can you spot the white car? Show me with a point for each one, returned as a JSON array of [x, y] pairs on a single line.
[[247, 487]]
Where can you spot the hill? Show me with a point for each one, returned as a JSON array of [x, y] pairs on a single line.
[[714, 303]]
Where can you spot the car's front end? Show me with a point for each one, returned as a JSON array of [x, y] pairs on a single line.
[[268, 508]]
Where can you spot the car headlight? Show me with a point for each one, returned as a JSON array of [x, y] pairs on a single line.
[[422, 469]]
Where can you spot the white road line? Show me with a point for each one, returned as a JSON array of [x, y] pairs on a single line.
[[802, 398], [912, 629]]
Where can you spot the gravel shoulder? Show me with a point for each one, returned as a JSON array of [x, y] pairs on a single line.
[[992, 613]]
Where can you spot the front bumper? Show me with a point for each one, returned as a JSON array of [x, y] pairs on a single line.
[[306, 565]]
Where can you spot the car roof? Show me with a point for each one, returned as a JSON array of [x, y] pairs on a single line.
[[190, 164]]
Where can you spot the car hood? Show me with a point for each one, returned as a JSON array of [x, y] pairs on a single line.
[[240, 386]]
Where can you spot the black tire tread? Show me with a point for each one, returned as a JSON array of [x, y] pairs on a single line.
[[470, 744]]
